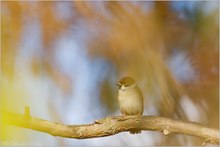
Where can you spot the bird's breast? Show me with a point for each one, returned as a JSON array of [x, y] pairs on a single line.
[[130, 101]]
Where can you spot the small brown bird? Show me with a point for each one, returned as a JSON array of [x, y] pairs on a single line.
[[130, 98]]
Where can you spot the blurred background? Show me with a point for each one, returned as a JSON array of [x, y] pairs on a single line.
[[63, 59]]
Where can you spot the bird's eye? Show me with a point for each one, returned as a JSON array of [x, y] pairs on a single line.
[[126, 85]]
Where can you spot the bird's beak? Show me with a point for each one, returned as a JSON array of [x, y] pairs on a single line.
[[119, 85]]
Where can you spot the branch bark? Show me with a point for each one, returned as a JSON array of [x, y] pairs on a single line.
[[116, 124]]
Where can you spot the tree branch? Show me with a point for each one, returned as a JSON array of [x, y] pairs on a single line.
[[115, 124]]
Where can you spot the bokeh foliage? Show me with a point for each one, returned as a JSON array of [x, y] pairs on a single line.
[[136, 38]]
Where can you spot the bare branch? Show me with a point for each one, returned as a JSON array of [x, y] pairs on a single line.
[[116, 124]]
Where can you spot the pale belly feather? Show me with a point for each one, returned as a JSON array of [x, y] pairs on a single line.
[[131, 102]]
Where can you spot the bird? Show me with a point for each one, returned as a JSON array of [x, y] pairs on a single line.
[[130, 98]]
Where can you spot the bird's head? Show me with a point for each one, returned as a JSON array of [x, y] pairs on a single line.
[[125, 83]]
